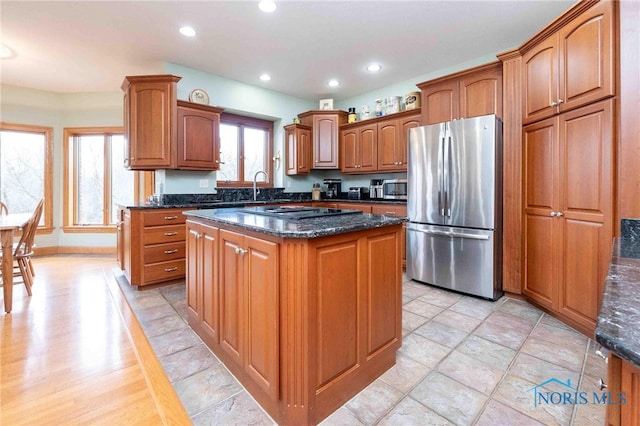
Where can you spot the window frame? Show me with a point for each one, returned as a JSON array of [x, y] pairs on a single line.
[[70, 200], [47, 227], [241, 122]]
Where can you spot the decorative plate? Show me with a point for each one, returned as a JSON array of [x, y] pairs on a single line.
[[199, 96]]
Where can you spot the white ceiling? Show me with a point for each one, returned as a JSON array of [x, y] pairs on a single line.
[[89, 46]]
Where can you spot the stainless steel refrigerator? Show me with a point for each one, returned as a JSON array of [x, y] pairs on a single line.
[[454, 203]]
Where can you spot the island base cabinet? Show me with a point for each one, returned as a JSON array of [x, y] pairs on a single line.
[[303, 324], [624, 382]]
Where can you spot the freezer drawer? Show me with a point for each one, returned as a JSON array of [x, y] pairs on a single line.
[[459, 259]]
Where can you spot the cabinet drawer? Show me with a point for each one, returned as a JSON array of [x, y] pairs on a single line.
[[164, 271], [164, 252], [164, 234], [389, 210], [164, 217]]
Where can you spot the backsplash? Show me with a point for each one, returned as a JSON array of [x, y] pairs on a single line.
[[630, 229], [236, 194]]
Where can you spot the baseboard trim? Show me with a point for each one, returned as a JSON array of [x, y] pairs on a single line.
[[46, 251]]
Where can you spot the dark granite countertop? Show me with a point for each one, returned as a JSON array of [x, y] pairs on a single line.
[[618, 327], [306, 228], [218, 204]]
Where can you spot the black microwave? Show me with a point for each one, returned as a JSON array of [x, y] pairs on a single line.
[[394, 189]]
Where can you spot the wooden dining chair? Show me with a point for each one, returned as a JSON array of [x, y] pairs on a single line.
[[23, 250], [3, 208]]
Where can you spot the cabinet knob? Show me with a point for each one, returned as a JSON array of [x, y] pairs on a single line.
[[552, 104], [553, 214], [560, 101], [558, 214], [240, 251]]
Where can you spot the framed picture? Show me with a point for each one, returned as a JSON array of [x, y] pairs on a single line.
[[326, 103]]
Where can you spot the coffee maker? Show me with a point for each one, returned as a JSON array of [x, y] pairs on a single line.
[[334, 187], [376, 189]]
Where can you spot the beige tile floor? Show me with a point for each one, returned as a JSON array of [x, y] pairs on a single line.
[[464, 361]]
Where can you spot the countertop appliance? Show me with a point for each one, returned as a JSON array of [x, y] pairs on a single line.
[[296, 212], [355, 193], [454, 234], [394, 189], [334, 187], [375, 189]]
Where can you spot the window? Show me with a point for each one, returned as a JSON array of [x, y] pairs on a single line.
[[246, 146], [95, 179], [26, 176]]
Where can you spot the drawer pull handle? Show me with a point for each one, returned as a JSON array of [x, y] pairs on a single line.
[[170, 251], [390, 213], [170, 234], [175, 268], [170, 217]]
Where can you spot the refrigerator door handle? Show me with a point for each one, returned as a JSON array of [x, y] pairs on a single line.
[[447, 165], [451, 234], [440, 172]]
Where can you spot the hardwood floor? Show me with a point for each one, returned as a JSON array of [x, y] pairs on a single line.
[[68, 352]]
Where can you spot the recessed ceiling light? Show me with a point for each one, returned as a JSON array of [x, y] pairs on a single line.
[[267, 6], [334, 83], [374, 68], [265, 77], [187, 31], [5, 52]]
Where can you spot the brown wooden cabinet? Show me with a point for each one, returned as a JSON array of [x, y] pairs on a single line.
[[202, 281], [198, 143], [249, 307], [572, 67], [163, 133], [568, 172], [154, 245], [623, 382], [325, 125], [358, 149], [470, 93], [303, 324], [298, 149], [150, 121], [393, 138], [377, 145]]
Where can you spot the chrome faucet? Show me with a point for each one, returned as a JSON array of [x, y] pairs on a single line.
[[256, 191]]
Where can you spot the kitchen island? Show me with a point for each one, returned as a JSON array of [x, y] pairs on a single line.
[[304, 312]]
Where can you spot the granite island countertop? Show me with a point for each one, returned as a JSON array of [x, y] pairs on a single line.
[[304, 228], [218, 204], [618, 327]]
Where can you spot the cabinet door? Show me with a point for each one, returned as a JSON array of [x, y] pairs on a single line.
[[152, 130], [630, 385], [388, 141], [587, 57], [303, 143], [406, 123], [368, 141], [291, 155], [193, 273], [232, 306], [261, 320], [394, 210], [481, 93], [208, 285], [542, 232], [440, 102], [198, 141], [540, 67], [350, 154], [586, 159], [325, 142]]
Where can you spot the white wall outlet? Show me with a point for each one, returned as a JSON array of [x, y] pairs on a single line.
[[204, 183]]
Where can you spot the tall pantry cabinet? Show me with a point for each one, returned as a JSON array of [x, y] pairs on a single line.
[[568, 165]]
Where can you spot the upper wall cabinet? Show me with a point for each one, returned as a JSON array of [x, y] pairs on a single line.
[[150, 121], [198, 140], [324, 124], [298, 149], [164, 133], [470, 93], [572, 66]]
